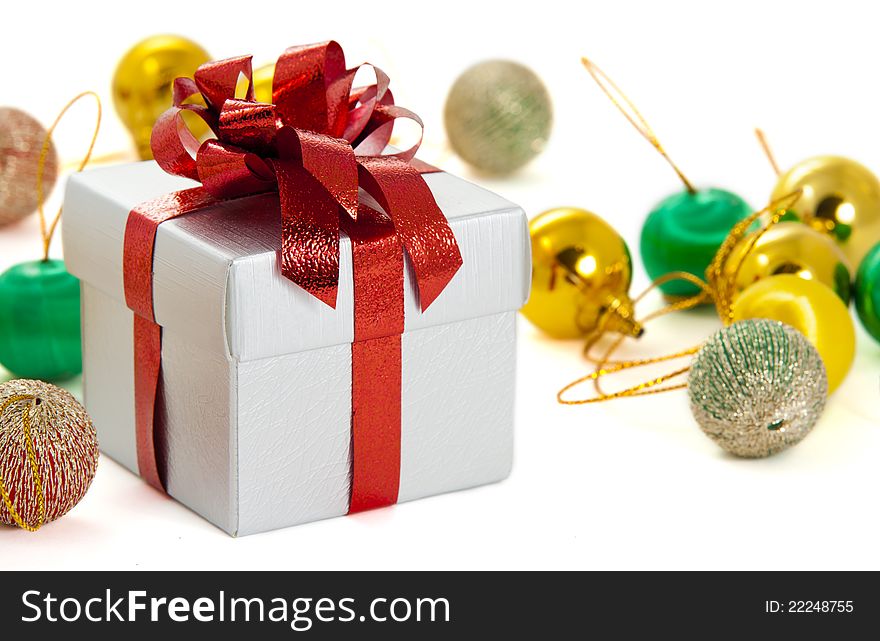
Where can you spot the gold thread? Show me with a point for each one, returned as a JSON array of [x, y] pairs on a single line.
[[762, 140], [48, 232], [35, 469], [723, 288], [635, 390], [635, 118], [717, 287], [683, 303], [679, 305]]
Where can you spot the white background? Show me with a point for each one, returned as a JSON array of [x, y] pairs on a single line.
[[631, 484]]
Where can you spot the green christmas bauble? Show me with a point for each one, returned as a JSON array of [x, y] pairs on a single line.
[[684, 232], [40, 321], [868, 292], [498, 116]]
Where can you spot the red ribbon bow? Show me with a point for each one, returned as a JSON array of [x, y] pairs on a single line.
[[321, 138], [319, 143]]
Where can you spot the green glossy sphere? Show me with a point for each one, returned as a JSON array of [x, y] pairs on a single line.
[[868, 292], [39, 321], [684, 231]]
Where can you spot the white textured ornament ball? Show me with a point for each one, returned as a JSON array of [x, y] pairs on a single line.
[[48, 453], [498, 116], [757, 387]]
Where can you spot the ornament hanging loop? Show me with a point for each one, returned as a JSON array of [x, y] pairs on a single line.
[[47, 230], [32, 460], [768, 152], [632, 114]]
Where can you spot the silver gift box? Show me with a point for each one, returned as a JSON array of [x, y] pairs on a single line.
[[256, 373]]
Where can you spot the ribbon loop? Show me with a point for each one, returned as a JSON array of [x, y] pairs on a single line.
[[363, 101], [248, 124], [218, 80], [311, 87]]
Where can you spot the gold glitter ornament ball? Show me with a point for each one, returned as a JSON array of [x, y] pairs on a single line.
[[21, 140], [840, 197], [498, 116], [64, 447], [143, 82], [757, 387]]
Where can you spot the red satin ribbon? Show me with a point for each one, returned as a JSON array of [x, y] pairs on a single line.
[[375, 360], [137, 272], [316, 146]]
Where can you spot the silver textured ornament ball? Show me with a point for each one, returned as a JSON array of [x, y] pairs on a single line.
[[757, 387], [48, 453], [498, 116]]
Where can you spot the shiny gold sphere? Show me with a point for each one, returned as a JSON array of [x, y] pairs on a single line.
[[840, 197], [812, 309], [143, 82], [581, 272], [791, 248]]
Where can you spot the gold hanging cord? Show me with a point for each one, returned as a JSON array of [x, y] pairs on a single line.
[[629, 111], [719, 288], [48, 230], [29, 400], [762, 140]]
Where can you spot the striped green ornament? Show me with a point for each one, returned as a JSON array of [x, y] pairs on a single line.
[[757, 387]]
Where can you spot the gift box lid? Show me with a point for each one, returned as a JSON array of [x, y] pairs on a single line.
[[217, 279]]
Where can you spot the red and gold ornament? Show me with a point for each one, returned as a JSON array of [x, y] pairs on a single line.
[[21, 141], [48, 453]]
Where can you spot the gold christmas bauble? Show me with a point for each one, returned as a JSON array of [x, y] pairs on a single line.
[[581, 272], [48, 453], [840, 197], [790, 248], [143, 82], [812, 309]]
